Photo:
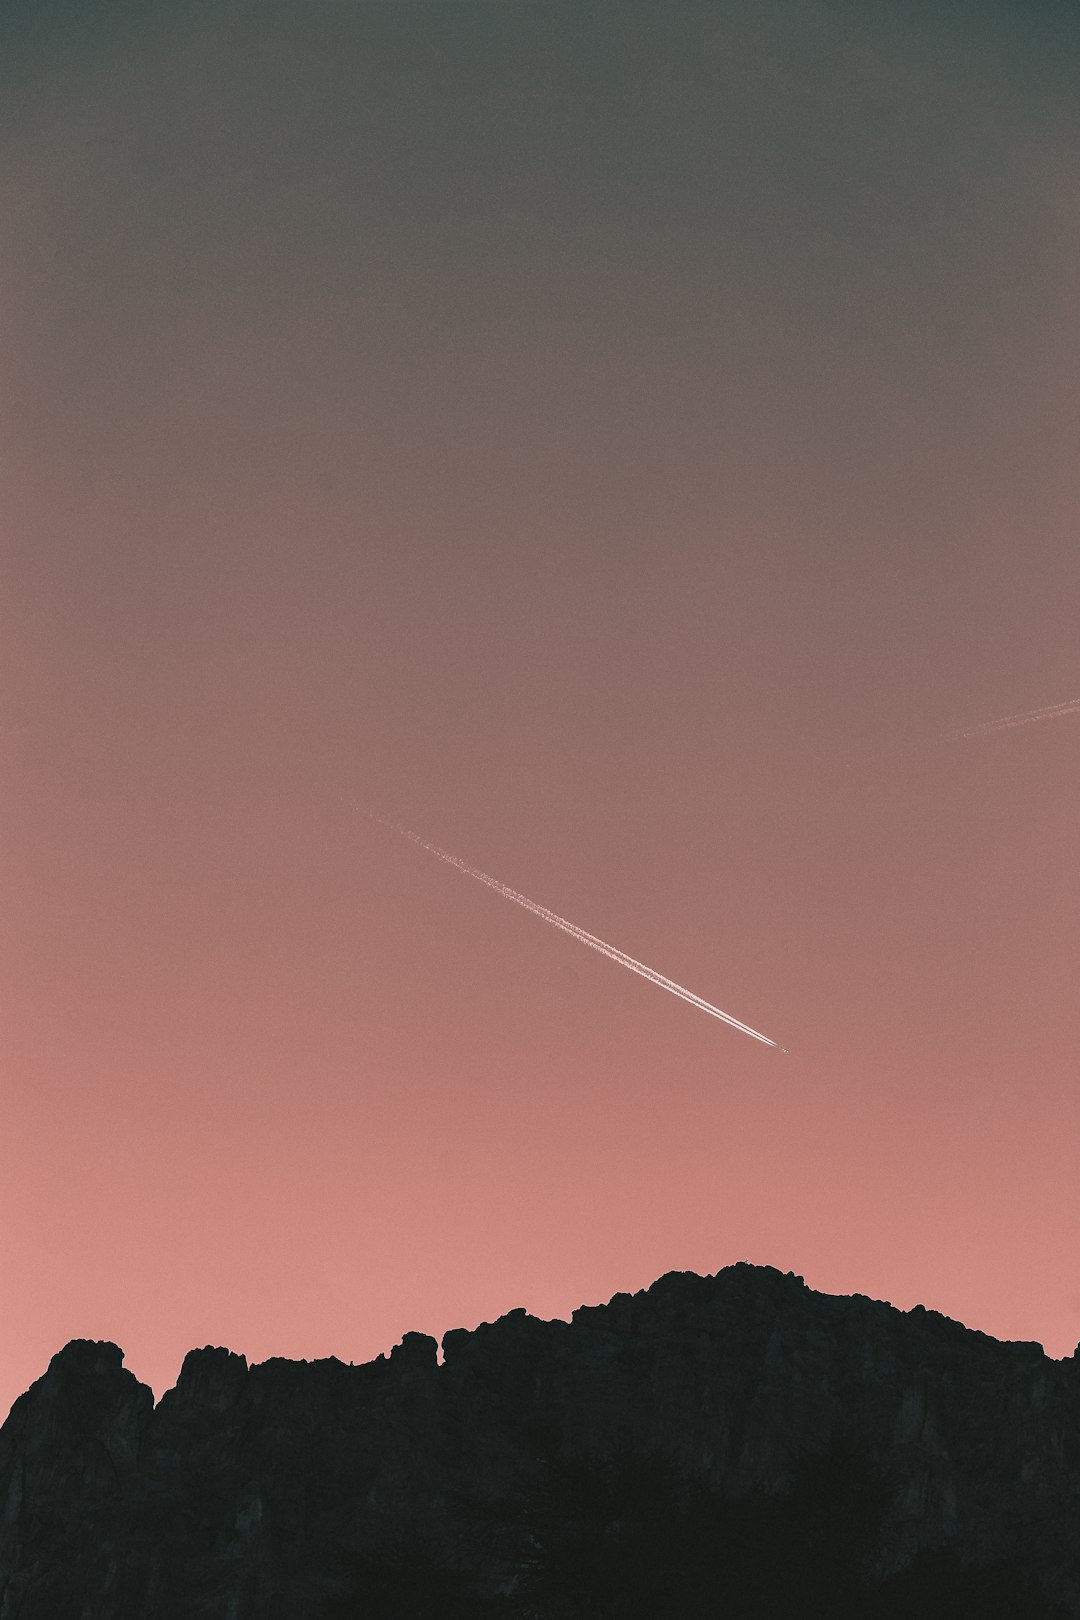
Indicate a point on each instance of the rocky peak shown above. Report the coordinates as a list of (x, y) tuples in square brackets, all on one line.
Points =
[(210, 1380)]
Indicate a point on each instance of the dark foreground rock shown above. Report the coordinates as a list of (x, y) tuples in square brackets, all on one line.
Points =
[(735, 1446)]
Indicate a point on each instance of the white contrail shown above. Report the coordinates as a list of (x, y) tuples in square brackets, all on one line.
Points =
[(578, 933), (1050, 711)]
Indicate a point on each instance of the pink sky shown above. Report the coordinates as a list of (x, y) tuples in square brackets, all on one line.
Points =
[(611, 441)]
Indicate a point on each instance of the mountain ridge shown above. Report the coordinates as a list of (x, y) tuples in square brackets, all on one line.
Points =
[(249, 1492)]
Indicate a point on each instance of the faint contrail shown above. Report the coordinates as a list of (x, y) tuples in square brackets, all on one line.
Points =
[(578, 933), (1050, 711)]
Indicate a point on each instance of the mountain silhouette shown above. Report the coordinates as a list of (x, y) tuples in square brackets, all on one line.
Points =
[(735, 1446)]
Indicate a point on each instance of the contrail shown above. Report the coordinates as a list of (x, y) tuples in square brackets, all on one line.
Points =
[(578, 933), (1050, 711)]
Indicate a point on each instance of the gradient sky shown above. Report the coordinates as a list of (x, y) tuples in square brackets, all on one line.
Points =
[(616, 440)]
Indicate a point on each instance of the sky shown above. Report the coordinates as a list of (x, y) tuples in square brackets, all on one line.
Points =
[(617, 442)]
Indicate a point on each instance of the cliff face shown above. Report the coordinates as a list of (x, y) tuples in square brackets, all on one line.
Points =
[(255, 1493)]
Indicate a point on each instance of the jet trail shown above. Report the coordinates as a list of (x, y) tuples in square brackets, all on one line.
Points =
[(579, 934), (1051, 711)]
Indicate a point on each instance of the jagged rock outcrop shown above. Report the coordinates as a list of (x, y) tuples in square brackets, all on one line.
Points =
[(251, 1493)]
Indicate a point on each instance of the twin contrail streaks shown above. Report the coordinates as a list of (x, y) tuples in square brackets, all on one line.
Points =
[(1050, 711), (986, 728), (579, 934)]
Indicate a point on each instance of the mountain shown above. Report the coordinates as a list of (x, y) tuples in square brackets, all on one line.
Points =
[(734, 1446)]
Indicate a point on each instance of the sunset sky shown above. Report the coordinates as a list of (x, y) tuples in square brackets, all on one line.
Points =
[(615, 439)]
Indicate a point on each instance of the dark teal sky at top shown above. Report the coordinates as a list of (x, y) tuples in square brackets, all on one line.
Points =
[(634, 247)]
